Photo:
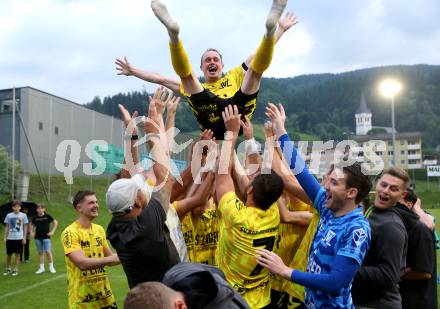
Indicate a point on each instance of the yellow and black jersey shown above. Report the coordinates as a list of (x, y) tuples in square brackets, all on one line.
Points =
[(87, 288), (208, 105), (288, 240), (243, 230), (201, 235)]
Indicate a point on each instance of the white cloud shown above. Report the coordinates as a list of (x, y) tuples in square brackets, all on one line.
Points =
[(68, 47)]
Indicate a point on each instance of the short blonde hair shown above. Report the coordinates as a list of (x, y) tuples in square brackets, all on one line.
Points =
[(151, 295)]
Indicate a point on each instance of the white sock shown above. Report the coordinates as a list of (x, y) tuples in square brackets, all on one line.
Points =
[(41, 266), (275, 13), (162, 14), (51, 265)]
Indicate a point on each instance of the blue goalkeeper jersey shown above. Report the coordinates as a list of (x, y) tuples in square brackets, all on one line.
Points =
[(347, 236)]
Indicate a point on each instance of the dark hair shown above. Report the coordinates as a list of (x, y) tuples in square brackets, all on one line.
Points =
[(41, 205), (80, 195), (208, 50), (267, 189), (410, 196), (16, 202), (152, 295), (398, 173), (356, 179)]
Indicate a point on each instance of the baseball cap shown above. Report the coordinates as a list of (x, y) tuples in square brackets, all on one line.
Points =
[(121, 194)]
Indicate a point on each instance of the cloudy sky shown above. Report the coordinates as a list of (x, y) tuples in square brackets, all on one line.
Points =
[(68, 47)]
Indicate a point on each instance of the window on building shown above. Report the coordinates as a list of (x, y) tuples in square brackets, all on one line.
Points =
[(402, 152), (402, 161), (412, 161), (56, 130), (390, 153), (402, 142), (412, 152), (6, 106), (40, 126)]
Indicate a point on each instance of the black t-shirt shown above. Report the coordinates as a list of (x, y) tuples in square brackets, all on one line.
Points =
[(421, 258), (42, 225), (143, 244)]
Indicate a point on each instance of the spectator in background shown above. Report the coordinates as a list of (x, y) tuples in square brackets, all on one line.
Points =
[(418, 285), (15, 236), (86, 255), (25, 253), (42, 234)]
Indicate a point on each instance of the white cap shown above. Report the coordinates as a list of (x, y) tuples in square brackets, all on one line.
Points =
[(121, 194)]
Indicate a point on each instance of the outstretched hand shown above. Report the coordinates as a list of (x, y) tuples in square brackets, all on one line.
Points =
[(278, 117), (231, 118), (172, 103), (126, 118), (248, 128), (287, 21), (152, 124), (124, 67)]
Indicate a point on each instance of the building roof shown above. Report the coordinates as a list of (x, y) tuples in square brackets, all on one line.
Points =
[(363, 108), (7, 90), (384, 137)]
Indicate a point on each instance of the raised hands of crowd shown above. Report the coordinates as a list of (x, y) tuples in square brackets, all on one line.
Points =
[(278, 118), (231, 118), (248, 128)]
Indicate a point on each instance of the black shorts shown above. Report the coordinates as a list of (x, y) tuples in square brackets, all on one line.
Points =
[(208, 108), (14, 246)]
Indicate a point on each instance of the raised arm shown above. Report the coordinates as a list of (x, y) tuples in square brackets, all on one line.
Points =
[(307, 181), (301, 218), (198, 198), (125, 68), (155, 130), (130, 137), (223, 179), (284, 24), (252, 156)]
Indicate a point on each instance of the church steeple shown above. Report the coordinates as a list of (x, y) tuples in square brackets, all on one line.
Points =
[(363, 117)]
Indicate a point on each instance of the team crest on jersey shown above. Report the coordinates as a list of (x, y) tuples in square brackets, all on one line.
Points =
[(359, 236), (328, 238)]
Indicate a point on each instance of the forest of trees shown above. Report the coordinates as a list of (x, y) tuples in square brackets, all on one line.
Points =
[(324, 104)]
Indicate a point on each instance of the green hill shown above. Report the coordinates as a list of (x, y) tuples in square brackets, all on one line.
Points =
[(324, 104)]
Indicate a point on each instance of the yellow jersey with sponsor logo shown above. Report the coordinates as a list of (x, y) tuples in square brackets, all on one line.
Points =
[(299, 261), (288, 240), (201, 235), (87, 288), (244, 229), (224, 89)]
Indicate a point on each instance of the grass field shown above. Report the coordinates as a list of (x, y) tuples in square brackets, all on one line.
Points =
[(47, 290)]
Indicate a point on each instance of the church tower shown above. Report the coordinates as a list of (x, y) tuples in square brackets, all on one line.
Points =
[(363, 118)]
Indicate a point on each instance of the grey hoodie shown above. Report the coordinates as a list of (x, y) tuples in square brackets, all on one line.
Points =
[(204, 286)]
